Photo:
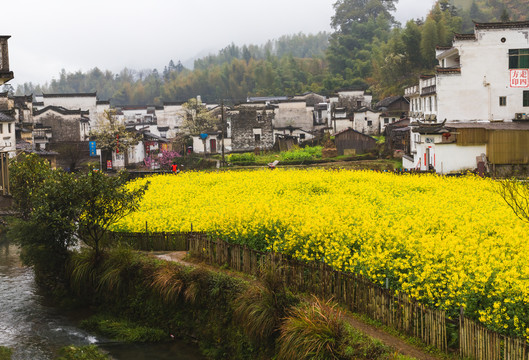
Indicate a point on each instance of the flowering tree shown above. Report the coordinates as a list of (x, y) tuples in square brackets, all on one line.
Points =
[(164, 160)]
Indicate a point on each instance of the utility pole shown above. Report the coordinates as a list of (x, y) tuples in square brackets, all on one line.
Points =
[(223, 129)]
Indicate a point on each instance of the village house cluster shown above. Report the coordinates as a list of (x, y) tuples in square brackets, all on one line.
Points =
[(47, 123), (472, 113)]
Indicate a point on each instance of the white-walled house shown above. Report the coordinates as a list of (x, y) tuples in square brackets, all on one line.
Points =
[(86, 102), (342, 108), (475, 107), (367, 121), (7, 134)]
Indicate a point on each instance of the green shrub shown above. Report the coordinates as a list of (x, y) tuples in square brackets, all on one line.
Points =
[(90, 352), (302, 154), (245, 157)]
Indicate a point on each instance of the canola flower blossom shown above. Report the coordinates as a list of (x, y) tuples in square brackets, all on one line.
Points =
[(448, 242)]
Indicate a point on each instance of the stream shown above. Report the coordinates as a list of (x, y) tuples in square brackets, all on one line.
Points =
[(35, 329)]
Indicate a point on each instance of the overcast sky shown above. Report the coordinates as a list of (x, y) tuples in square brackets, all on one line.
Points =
[(47, 36)]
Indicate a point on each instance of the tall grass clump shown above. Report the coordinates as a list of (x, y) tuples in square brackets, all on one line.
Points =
[(262, 307), (111, 273), (167, 282), (317, 330)]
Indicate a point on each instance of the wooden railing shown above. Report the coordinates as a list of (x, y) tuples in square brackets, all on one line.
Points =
[(359, 294)]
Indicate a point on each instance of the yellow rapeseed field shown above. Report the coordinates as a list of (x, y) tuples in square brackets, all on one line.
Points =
[(448, 242)]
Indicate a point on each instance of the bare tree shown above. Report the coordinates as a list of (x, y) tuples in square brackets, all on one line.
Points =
[(516, 194), (198, 118)]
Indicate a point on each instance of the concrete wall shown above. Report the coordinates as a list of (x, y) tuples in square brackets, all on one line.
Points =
[(453, 158)]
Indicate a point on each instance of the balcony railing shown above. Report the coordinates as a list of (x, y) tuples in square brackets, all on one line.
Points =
[(428, 90)]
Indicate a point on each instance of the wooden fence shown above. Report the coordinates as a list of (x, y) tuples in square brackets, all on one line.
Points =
[(359, 294), (152, 241)]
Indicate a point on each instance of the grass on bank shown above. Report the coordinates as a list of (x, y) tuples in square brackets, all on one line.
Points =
[(122, 330), (5, 353), (89, 352)]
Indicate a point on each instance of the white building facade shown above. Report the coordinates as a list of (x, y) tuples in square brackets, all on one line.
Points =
[(482, 79)]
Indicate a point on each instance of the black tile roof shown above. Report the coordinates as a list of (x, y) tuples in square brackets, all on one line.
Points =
[(70, 95), (5, 117), (502, 25), (60, 110)]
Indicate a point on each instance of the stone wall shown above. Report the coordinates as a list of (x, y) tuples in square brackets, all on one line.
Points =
[(63, 129), (245, 123)]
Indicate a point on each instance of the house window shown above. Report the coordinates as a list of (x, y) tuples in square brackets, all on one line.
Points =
[(302, 136), (358, 103), (392, 120), (369, 122), (9, 128), (2, 127), (519, 59), (259, 117), (503, 100), (257, 134), (386, 120), (525, 98)]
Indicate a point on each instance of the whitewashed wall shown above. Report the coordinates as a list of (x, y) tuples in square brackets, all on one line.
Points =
[(474, 94)]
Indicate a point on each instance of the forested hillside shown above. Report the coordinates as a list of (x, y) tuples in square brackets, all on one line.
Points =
[(490, 10), (367, 49)]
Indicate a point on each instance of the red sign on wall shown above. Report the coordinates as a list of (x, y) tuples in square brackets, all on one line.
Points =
[(519, 78)]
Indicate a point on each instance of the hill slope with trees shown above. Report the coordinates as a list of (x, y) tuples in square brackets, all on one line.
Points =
[(368, 49)]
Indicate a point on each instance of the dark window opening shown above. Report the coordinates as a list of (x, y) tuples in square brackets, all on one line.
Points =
[(519, 59), (257, 137), (526, 98), (386, 120), (503, 100), (302, 136), (369, 122)]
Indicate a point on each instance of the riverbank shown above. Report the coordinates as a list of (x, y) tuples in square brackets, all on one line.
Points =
[(34, 327), (230, 317)]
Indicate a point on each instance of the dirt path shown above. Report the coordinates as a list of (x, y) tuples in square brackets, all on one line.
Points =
[(398, 344)]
